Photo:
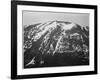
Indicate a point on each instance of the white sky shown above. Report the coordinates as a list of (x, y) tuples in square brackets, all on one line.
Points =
[(32, 17)]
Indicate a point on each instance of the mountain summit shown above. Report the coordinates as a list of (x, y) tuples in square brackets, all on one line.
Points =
[(55, 38)]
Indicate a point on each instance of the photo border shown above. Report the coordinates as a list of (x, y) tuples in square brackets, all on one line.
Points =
[(14, 14)]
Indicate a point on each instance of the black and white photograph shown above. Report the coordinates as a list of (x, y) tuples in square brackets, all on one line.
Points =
[(53, 39)]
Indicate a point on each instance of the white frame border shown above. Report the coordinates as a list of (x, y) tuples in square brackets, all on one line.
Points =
[(22, 71)]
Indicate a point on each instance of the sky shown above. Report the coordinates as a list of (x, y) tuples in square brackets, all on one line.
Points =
[(34, 17)]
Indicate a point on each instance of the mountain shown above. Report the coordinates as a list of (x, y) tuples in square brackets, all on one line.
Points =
[(56, 43)]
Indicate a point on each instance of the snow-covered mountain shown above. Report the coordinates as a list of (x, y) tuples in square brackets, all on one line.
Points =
[(52, 38)]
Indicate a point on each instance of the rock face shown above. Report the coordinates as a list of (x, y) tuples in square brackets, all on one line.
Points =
[(56, 43)]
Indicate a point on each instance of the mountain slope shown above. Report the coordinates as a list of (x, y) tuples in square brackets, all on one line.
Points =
[(45, 41)]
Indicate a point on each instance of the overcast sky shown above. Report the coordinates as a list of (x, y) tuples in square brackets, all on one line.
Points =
[(33, 17)]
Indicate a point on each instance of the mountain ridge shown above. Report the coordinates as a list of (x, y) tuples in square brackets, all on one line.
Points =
[(57, 37)]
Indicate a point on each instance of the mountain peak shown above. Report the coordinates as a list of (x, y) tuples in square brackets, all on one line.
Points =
[(57, 37)]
